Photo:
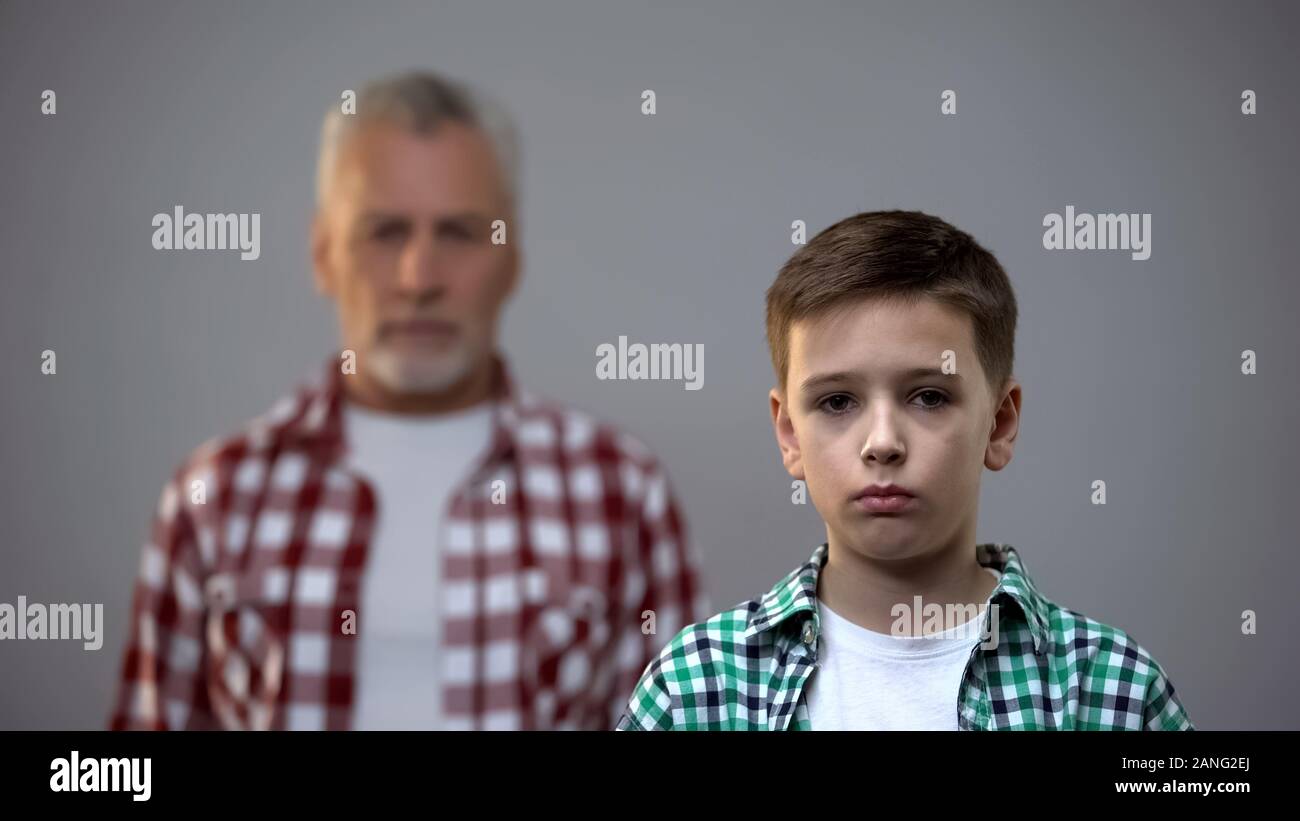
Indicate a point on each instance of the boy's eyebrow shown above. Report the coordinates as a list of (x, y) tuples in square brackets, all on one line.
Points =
[(838, 377)]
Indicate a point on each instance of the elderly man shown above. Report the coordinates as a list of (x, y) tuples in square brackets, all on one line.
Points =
[(415, 541)]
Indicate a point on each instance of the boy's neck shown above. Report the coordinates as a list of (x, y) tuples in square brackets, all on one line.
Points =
[(865, 591)]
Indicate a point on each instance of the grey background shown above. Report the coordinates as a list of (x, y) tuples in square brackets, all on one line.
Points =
[(668, 229)]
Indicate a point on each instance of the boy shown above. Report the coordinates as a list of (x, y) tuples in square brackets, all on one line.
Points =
[(892, 334)]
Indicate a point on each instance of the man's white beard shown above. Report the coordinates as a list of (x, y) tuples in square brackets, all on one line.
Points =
[(405, 373)]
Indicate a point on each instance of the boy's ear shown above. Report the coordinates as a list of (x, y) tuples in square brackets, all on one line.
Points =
[(1003, 430), (320, 247), (785, 435)]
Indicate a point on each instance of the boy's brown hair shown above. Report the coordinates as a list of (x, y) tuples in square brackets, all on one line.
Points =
[(905, 255)]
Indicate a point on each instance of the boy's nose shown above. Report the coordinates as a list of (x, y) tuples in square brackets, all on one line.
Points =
[(884, 443), (886, 451)]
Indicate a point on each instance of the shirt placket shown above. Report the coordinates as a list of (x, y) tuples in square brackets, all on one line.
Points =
[(801, 663)]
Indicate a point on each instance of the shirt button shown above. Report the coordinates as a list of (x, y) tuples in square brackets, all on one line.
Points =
[(809, 634)]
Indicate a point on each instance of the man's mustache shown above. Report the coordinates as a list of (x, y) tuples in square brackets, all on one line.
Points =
[(432, 326)]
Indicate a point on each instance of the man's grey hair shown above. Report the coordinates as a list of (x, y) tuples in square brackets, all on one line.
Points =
[(420, 102)]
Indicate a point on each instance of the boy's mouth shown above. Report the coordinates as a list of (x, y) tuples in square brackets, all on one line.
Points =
[(885, 499)]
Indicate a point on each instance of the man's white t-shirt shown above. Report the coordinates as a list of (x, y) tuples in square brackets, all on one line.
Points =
[(414, 464), (876, 681)]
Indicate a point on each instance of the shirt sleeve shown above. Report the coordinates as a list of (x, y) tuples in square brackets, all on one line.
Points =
[(650, 706), (1161, 707), (668, 573), (161, 685)]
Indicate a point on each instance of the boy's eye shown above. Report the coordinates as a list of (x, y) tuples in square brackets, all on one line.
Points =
[(836, 404), (841, 403), (939, 402)]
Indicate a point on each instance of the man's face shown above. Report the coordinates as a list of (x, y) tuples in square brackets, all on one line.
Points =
[(853, 416), (402, 244)]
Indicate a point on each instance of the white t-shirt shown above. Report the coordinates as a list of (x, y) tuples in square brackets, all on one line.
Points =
[(414, 464), (876, 681)]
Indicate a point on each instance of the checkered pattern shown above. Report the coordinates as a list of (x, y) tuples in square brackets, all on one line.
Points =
[(243, 598), (1052, 668)]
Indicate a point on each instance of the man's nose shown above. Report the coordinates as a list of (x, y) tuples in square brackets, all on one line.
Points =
[(418, 271)]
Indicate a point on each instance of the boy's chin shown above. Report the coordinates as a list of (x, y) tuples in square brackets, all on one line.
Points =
[(893, 541)]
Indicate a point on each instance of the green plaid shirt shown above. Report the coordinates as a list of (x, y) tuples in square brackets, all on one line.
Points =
[(1051, 669)]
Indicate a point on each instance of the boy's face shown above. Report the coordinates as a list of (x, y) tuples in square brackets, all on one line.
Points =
[(853, 415)]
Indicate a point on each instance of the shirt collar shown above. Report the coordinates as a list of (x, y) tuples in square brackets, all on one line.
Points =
[(315, 421), (796, 594)]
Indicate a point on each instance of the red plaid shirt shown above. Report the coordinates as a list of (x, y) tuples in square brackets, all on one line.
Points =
[(240, 610)]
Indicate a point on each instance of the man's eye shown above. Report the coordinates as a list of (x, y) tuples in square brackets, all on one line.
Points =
[(940, 399), (457, 232), (836, 404), (389, 232)]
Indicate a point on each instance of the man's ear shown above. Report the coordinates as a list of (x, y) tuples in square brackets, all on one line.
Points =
[(516, 266), (785, 435), (320, 254), (1006, 424)]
